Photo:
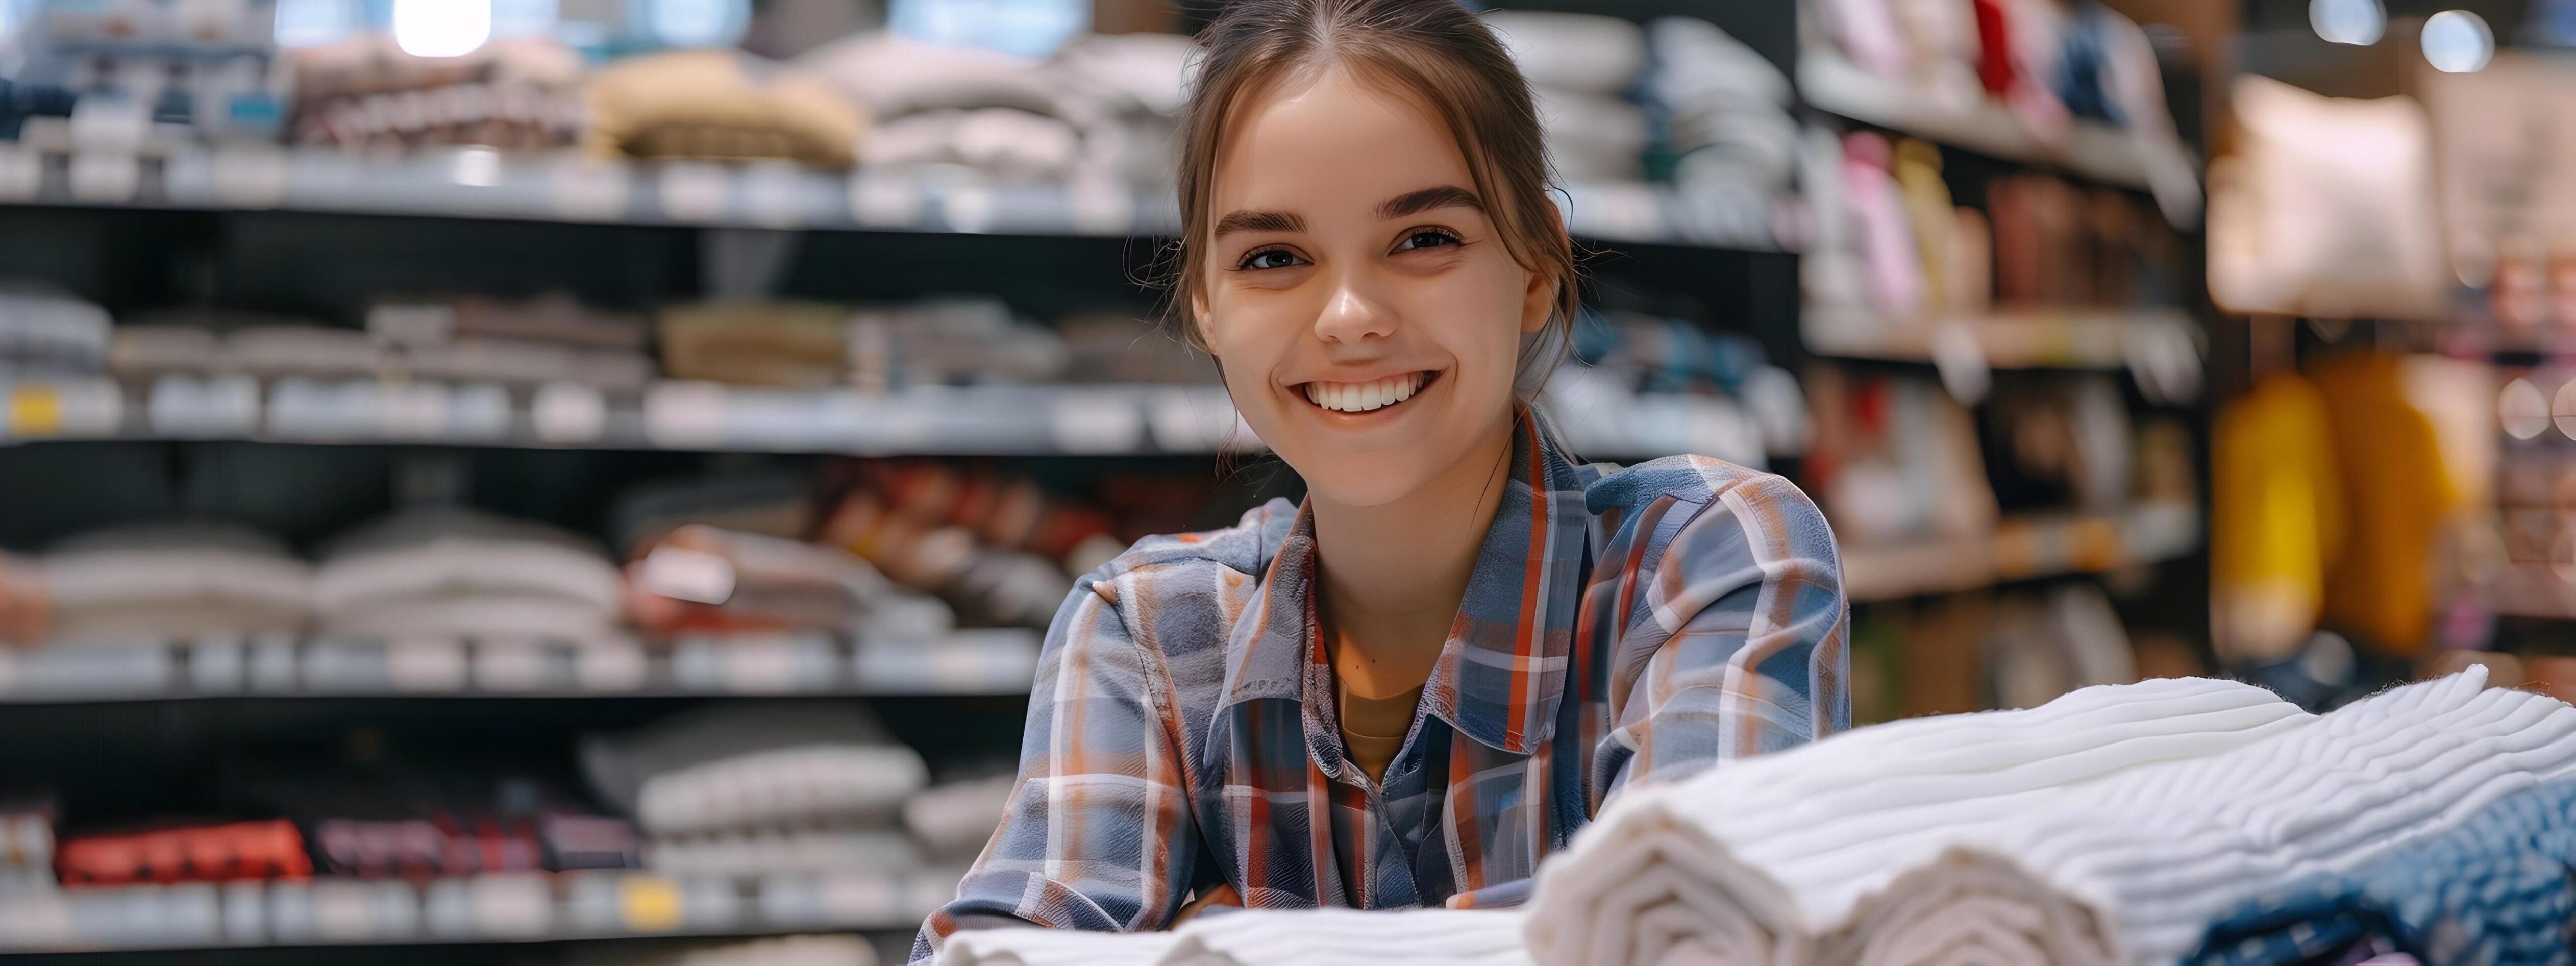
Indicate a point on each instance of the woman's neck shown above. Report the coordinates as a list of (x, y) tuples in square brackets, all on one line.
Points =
[(1394, 574)]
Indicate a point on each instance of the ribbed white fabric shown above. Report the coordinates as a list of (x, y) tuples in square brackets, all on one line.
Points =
[(1264, 937), (1053, 947), (2136, 866), (1752, 863), (1349, 937)]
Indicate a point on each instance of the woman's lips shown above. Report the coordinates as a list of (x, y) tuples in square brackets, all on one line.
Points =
[(1360, 397)]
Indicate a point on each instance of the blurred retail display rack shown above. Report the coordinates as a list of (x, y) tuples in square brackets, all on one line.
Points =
[(485, 183), (2033, 338), (2091, 150), (2023, 548), (1071, 419), (989, 661), (498, 907)]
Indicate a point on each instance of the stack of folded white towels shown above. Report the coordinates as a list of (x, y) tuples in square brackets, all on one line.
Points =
[(746, 791), (1440, 937), (450, 572), (2112, 825), (2115, 824)]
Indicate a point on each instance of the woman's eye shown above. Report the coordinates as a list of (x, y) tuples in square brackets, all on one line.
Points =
[(1270, 258), (1427, 239)]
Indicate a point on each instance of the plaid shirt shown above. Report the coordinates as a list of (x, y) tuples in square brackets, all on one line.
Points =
[(1624, 626)]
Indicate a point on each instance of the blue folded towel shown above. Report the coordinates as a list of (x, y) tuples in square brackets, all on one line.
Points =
[(2499, 888)]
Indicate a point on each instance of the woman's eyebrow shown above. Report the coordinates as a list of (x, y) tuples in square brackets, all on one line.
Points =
[(1429, 199), (1260, 221)]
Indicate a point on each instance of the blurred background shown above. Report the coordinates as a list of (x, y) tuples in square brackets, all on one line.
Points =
[(583, 481)]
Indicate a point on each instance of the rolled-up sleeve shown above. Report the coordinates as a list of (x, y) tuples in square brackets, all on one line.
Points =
[(1726, 628), (1098, 834)]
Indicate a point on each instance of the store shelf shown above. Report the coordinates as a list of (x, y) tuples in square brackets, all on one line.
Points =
[(998, 661), (1029, 420), (483, 183), (2092, 150), (2021, 548), (504, 907), (2068, 338)]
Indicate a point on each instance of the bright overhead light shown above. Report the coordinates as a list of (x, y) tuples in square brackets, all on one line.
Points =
[(441, 28), (2457, 42), (2358, 22)]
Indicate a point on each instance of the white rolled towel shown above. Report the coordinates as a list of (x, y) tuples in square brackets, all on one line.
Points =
[(1053, 947), (2133, 869), (1754, 861), (1350, 937)]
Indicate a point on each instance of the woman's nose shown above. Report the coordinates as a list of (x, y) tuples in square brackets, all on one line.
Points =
[(1354, 313)]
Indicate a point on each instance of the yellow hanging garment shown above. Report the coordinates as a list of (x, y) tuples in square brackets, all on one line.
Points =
[(2276, 520), (2397, 493)]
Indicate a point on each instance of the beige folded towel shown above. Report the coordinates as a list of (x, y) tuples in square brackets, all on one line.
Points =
[(719, 105)]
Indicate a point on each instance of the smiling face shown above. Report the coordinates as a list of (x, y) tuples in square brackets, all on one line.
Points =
[(1367, 313)]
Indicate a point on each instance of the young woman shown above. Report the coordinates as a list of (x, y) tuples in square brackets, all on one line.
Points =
[(1413, 687)]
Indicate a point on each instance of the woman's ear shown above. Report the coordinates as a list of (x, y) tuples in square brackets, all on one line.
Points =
[(1538, 301), (1199, 319)]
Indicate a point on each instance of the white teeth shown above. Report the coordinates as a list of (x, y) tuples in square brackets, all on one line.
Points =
[(1360, 397)]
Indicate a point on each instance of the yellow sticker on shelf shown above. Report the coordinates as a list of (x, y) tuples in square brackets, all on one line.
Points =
[(35, 411), (2021, 549), (649, 904), (2094, 545)]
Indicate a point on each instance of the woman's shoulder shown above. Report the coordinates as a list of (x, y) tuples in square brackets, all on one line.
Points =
[(1773, 516), (1609, 488), (1193, 570)]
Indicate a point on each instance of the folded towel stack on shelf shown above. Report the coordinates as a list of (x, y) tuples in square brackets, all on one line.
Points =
[(241, 851), (2116, 824), (740, 792), (48, 333), (175, 581), (993, 545), (1672, 101), (702, 580), (454, 573), (516, 344), (365, 93), (1005, 116), (719, 105)]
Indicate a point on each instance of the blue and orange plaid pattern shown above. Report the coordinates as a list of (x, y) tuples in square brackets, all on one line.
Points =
[(1619, 626)]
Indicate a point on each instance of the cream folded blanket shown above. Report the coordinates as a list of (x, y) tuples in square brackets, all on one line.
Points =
[(2133, 869), (1753, 863)]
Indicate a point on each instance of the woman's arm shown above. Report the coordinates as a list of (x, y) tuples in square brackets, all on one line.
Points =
[(1719, 599), (1098, 835)]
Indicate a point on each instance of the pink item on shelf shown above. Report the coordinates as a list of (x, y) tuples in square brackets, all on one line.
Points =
[(1887, 246)]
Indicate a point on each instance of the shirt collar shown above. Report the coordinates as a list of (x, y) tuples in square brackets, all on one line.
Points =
[(1501, 674)]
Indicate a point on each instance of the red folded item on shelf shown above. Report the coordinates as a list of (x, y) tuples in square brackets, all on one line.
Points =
[(208, 853)]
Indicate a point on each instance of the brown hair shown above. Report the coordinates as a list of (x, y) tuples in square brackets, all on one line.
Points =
[(1436, 50)]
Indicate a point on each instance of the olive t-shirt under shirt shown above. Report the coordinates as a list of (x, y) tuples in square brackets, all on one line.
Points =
[(1373, 729)]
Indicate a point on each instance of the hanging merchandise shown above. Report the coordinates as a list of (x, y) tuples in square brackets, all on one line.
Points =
[(2326, 209), (2276, 519), (2396, 496)]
